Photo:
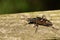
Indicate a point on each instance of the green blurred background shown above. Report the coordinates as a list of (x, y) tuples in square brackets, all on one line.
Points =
[(17, 6)]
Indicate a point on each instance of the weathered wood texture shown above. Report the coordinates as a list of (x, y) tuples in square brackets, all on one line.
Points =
[(15, 27)]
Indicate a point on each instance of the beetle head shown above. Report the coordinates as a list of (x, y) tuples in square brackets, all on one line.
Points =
[(48, 23)]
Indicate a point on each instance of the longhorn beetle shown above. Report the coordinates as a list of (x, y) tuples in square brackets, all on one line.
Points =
[(40, 21)]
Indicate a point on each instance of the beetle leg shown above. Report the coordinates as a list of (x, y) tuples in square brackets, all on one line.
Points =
[(35, 25), (55, 28), (36, 28)]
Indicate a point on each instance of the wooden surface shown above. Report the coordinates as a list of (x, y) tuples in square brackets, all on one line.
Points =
[(15, 27)]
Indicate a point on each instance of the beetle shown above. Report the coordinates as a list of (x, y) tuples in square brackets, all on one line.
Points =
[(40, 21)]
